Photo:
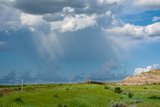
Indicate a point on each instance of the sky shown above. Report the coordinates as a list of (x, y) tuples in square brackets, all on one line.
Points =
[(50, 41)]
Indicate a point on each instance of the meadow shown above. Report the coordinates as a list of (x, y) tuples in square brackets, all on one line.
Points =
[(79, 95)]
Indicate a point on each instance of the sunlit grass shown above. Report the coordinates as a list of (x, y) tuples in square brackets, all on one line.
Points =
[(78, 95)]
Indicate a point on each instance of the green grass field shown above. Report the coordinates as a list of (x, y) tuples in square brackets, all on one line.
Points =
[(79, 95)]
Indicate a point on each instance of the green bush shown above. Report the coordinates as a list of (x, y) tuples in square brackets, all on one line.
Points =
[(30, 89), (145, 87), (18, 100), (136, 101), (130, 95), (1, 94), (118, 90), (107, 87), (56, 95), (154, 97), (60, 105), (67, 88)]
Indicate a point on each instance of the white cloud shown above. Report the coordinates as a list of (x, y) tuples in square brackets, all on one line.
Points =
[(146, 69), (31, 21), (125, 37), (73, 23), (69, 23), (134, 31), (156, 18), (147, 4)]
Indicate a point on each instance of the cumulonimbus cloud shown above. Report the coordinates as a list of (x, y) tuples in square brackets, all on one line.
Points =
[(27, 12), (60, 10), (68, 15)]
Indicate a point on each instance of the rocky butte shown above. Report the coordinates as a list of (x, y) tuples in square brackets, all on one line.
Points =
[(151, 77)]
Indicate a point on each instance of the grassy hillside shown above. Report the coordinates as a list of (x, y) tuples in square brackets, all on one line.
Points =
[(79, 95)]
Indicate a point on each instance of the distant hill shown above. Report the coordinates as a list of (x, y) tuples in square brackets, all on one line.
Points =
[(151, 77)]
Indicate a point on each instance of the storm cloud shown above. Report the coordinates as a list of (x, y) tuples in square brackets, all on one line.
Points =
[(72, 39), (110, 70), (56, 6), (46, 7)]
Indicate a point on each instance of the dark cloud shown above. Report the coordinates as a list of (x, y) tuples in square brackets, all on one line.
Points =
[(54, 10), (85, 46), (14, 77), (49, 6), (3, 45), (79, 77), (26, 77), (53, 17), (49, 76), (48, 73), (65, 51), (9, 78), (111, 70)]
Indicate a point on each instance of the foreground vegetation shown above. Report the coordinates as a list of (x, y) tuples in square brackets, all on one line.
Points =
[(80, 95)]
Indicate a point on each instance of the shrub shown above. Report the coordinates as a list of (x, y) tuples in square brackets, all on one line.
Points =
[(18, 100), (130, 95), (118, 104), (60, 105), (154, 97), (121, 97), (18, 89), (118, 90), (1, 94), (56, 95), (145, 88), (136, 101), (107, 87), (30, 89), (67, 88)]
